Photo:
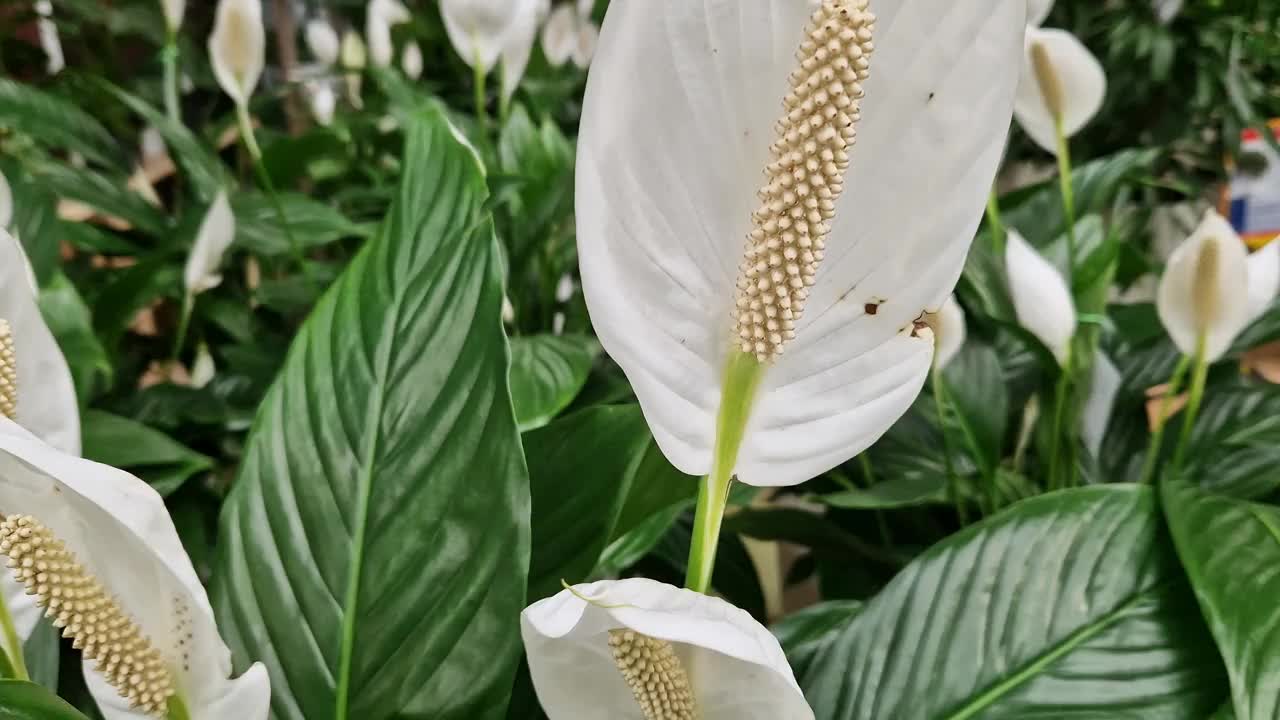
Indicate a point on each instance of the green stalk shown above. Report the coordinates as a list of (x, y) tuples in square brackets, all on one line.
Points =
[(482, 112), (1199, 375), (868, 473), (953, 479), (995, 221), (255, 153), (504, 102), (188, 304), (13, 644), (741, 380), (1061, 396), (1068, 195), (1157, 438), (169, 57)]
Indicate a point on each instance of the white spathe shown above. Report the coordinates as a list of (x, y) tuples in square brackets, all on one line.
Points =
[(380, 17), (118, 529), (1038, 11), (411, 60), (237, 47), (1041, 298), (217, 231), (203, 370), (322, 41), (477, 29), (949, 331), (517, 43), (354, 54), (322, 99), (1080, 76), (173, 12), (1166, 10), (6, 203), (1104, 386), (1264, 278), (47, 30), (571, 34), (47, 403), (1205, 289), (736, 667), (679, 114)]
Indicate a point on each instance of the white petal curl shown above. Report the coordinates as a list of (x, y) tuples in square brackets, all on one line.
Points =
[(680, 106), (1083, 83), (949, 332), (1041, 298), (217, 231), (517, 44), (1264, 278)]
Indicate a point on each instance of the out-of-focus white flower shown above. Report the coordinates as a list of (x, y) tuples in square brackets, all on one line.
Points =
[(1060, 79), (1166, 10), (612, 649), (237, 48), (565, 288), (354, 57), (6, 203), (517, 42), (1204, 294), (508, 310), (411, 61), (322, 41), (570, 34), (203, 369), (47, 29), (949, 331), (557, 323), (380, 17), (173, 12), (322, 100), (477, 28), (118, 548), (1264, 278), (151, 143), (1041, 298), (1103, 388), (216, 233), (1038, 11)]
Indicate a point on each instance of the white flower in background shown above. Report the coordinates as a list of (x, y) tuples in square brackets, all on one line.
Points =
[(557, 323), (114, 545), (47, 29), (151, 144), (203, 369), (354, 57), (1166, 10), (1060, 79), (840, 263), (949, 331), (476, 28), (217, 231), (322, 100), (173, 12), (379, 18), (1041, 298), (565, 288), (322, 41), (508, 311), (570, 34), (237, 48), (1103, 389), (1038, 11), (1264, 278), (411, 61), (1204, 294), (6, 203), (638, 649), (517, 43)]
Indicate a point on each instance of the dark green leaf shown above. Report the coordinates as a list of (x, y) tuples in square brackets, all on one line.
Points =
[(975, 388), (42, 653), (150, 454), (547, 372), (375, 548), (900, 491), (108, 194), (1066, 605), (804, 634), (21, 700), (258, 227), (68, 318), (55, 122)]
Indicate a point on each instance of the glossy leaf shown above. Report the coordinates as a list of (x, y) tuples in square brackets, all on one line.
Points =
[(547, 372), (20, 700), (1231, 551), (897, 492), (803, 634), (375, 548), (976, 390), (148, 453), (259, 231), (55, 122), (72, 326), (1067, 605)]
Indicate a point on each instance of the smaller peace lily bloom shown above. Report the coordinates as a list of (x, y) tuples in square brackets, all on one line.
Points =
[(203, 369), (380, 17), (322, 41), (47, 29), (1264, 278), (638, 649), (237, 48), (411, 61), (322, 100), (1062, 82), (477, 29), (517, 44), (1166, 10), (570, 34), (949, 331), (1041, 299), (565, 288), (217, 231), (173, 13), (96, 549), (1203, 299), (1104, 386)]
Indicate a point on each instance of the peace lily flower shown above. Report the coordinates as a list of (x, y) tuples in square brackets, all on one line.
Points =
[(637, 649), (237, 48), (380, 17), (570, 34), (1204, 295), (322, 100), (1041, 299), (322, 41), (1166, 10), (173, 12), (1062, 86), (779, 362), (217, 231), (1264, 278), (949, 331), (47, 29), (1104, 386), (484, 31), (411, 61), (77, 530), (203, 369), (517, 45), (353, 58)]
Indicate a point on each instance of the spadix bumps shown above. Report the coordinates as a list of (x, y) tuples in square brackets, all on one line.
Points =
[(805, 177), (8, 373), (657, 678)]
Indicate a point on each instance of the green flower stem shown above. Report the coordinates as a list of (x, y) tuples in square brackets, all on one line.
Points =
[(169, 57), (1068, 195), (178, 709), (1157, 438), (184, 322), (482, 113), (255, 153), (13, 644), (1199, 374), (996, 222), (741, 380), (504, 102), (953, 480), (1061, 397)]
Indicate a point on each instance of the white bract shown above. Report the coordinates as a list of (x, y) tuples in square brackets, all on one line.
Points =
[(1203, 299), (517, 43), (237, 48), (1166, 10), (1061, 80), (949, 331), (322, 41), (1264, 278), (203, 369), (173, 12), (6, 203), (606, 649), (217, 231), (354, 57), (322, 100), (109, 542), (1041, 298), (1104, 386), (1038, 11), (411, 61), (380, 17), (47, 30), (682, 116), (570, 34)]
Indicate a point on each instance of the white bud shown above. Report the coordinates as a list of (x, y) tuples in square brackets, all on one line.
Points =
[(237, 47), (949, 331), (322, 41), (216, 233), (1041, 299), (411, 61), (1204, 293), (173, 12)]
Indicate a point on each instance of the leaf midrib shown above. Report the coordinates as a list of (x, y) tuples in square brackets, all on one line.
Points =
[(1072, 641)]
